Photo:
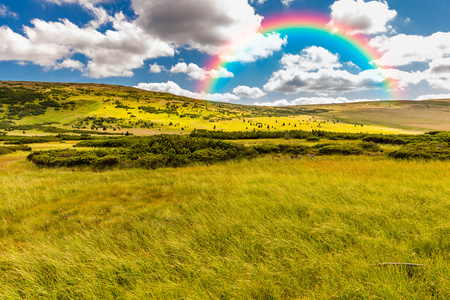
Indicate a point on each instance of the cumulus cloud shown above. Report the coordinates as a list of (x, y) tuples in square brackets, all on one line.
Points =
[(403, 79), (311, 59), (438, 74), (314, 70), (262, 46), (197, 73), (364, 17), (310, 100), (59, 2), (440, 66), (201, 24), (324, 80), (6, 12), (155, 68), (287, 2), (248, 92), (402, 49), (284, 2), (173, 88), (69, 64), (100, 14), (113, 53), (433, 97)]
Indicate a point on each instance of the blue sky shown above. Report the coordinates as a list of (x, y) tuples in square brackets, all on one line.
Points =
[(165, 45)]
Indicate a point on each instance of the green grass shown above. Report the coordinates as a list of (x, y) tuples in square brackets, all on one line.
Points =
[(271, 228)]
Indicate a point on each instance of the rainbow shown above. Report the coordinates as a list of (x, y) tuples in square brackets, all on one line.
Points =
[(298, 22)]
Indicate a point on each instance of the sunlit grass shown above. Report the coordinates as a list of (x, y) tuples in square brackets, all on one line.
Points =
[(270, 228)]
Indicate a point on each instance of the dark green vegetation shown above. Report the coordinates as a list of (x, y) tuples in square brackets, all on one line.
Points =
[(149, 152), (11, 149), (424, 150), (176, 151)]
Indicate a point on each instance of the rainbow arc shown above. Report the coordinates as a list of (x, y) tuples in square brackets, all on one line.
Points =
[(301, 22)]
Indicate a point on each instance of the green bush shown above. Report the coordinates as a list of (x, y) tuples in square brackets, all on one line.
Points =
[(370, 147), (343, 149), (143, 152), (427, 151), (11, 149)]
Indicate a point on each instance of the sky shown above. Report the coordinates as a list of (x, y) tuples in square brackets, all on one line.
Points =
[(225, 50)]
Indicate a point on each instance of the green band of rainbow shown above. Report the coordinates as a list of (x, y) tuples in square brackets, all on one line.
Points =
[(294, 21)]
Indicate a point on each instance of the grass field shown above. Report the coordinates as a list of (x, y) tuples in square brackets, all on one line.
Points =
[(269, 228), (274, 227)]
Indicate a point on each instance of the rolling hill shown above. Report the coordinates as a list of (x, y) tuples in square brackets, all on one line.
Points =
[(33, 108)]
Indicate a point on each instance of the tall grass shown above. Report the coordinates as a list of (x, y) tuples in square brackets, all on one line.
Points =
[(271, 228)]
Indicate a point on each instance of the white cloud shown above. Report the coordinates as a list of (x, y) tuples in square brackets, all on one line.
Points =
[(248, 92), (401, 50), (287, 2), (439, 73), (100, 14), (6, 12), (261, 46), (402, 78), (113, 53), (60, 2), (200, 24), (284, 2), (363, 17), (440, 66), (314, 70), (310, 100), (173, 88), (433, 97), (155, 68), (70, 64), (311, 59), (197, 73), (324, 80)]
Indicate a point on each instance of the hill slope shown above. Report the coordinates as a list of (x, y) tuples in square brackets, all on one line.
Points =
[(36, 107)]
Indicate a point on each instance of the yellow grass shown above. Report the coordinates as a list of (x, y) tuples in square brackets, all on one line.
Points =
[(270, 228)]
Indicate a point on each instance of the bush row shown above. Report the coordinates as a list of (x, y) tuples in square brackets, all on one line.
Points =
[(176, 151), (427, 151), (294, 134), (11, 149), (149, 152), (402, 139), (20, 140)]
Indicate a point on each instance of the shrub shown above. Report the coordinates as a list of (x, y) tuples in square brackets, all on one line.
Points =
[(427, 151), (11, 149), (343, 149), (369, 146)]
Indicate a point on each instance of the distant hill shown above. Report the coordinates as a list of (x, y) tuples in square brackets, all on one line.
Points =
[(32, 108)]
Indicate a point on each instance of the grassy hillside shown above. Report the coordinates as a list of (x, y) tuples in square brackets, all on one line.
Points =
[(35, 108)]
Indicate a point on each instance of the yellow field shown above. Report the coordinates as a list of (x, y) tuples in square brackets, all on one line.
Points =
[(101, 101)]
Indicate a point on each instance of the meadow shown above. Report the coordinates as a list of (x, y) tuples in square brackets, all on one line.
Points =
[(312, 202), (273, 227)]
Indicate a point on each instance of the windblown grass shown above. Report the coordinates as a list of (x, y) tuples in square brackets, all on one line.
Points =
[(271, 228)]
